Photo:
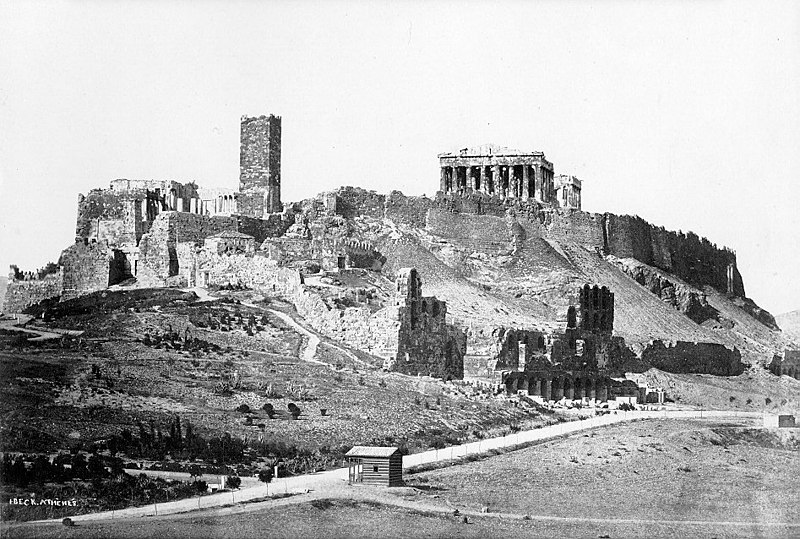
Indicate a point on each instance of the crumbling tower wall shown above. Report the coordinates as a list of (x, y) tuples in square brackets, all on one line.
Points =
[(260, 166)]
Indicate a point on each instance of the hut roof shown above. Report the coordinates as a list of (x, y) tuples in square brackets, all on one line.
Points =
[(371, 451)]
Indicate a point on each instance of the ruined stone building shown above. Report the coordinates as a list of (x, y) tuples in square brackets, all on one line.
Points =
[(421, 341), (788, 365), (568, 191), (497, 171)]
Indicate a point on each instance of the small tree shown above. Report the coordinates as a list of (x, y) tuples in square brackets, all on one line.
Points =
[(294, 410), (201, 487), (269, 409), (265, 476), (233, 481)]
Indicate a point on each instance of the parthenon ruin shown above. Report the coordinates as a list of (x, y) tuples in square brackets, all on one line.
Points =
[(498, 171)]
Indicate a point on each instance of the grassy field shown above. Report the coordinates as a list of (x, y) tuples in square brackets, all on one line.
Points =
[(671, 470)]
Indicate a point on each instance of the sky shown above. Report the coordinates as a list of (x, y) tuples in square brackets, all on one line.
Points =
[(684, 113)]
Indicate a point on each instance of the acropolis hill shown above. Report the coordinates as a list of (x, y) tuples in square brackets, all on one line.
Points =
[(500, 277)]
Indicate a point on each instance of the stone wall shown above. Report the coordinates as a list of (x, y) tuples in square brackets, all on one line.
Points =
[(687, 357), (578, 227), (693, 259), (86, 267), (252, 271), (158, 260), (272, 226), (21, 294), (355, 201), (409, 211)]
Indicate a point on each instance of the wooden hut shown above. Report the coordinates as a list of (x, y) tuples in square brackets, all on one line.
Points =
[(375, 466)]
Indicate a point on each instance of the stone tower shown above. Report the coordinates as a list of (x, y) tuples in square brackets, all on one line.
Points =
[(260, 166)]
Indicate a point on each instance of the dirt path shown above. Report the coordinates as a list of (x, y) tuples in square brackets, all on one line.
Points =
[(42, 335)]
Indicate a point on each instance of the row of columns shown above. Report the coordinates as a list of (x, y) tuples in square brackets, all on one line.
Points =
[(509, 181), (557, 387), (220, 204)]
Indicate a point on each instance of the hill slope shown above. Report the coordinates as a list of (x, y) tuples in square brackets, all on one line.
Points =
[(495, 271), (790, 325)]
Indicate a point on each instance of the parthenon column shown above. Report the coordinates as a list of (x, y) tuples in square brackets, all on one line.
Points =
[(512, 182), (497, 182), (443, 180), (525, 181), (538, 183)]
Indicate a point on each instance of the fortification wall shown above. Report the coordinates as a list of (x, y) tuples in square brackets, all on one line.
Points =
[(579, 227), (271, 227), (86, 268), (693, 358), (354, 201), (21, 294), (410, 211), (98, 204), (256, 272), (158, 260), (693, 259)]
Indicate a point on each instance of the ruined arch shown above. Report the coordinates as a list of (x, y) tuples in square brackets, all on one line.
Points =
[(540, 342), (578, 385), (557, 389), (572, 317), (569, 390)]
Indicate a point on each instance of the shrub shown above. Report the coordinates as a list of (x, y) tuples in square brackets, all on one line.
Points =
[(382, 383), (200, 486), (767, 401), (243, 408), (269, 409), (361, 381), (233, 481), (294, 410)]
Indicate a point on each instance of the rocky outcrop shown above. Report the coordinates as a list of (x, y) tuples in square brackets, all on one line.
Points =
[(684, 298)]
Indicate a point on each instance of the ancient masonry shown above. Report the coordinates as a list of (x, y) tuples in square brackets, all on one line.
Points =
[(260, 166), (155, 233), (498, 171)]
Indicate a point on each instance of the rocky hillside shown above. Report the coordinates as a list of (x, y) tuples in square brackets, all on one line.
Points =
[(790, 325), (508, 271)]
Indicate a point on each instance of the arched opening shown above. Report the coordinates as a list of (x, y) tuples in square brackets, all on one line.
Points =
[(540, 343), (546, 386), (436, 309), (556, 389), (509, 385), (572, 317), (569, 390), (578, 392)]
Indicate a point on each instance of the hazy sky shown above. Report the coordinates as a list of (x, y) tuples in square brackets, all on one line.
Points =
[(685, 113)]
